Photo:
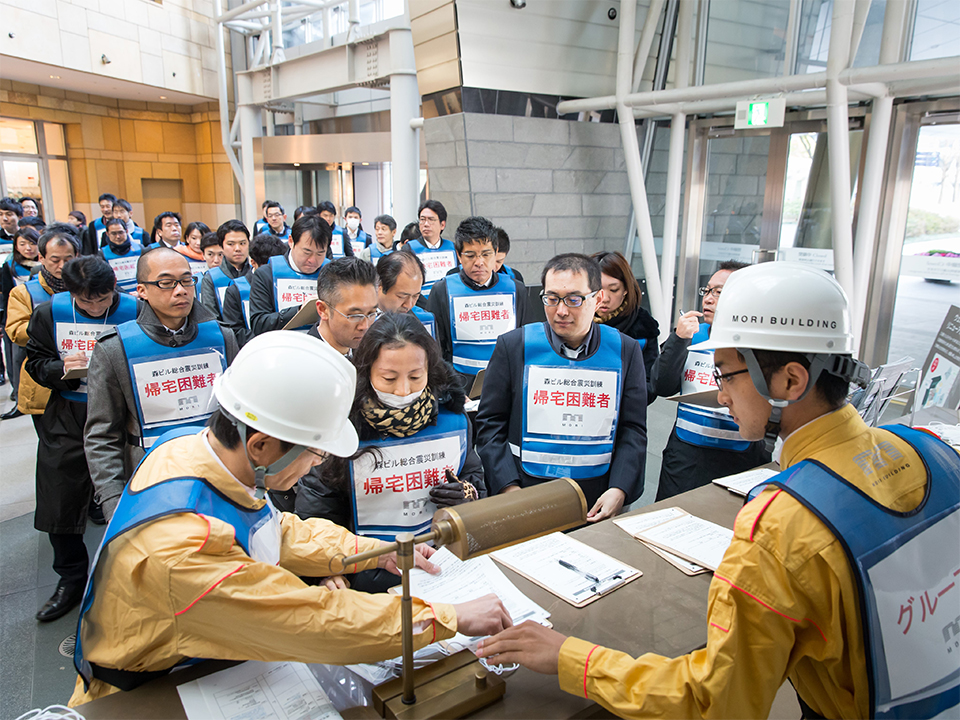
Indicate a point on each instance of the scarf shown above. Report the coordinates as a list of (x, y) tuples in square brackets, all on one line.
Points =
[(604, 319), (121, 249), (401, 422), (54, 283)]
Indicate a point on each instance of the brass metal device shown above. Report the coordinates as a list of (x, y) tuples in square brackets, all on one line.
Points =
[(459, 685)]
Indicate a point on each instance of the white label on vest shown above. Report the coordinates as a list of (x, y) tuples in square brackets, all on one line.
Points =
[(395, 489), (917, 588), (125, 268), (357, 246), (698, 373), (177, 389), (17, 280), (265, 539), (246, 312), (336, 245), (437, 264), (482, 318), (569, 401), (78, 337), (197, 267), (222, 293), (294, 292)]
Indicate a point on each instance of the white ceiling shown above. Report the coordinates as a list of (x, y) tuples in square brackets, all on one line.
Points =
[(35, 73)]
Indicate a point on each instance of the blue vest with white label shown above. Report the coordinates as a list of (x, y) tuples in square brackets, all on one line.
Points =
[(137, 234), (64, 313), (405, 515), (576, 456), (472, 356), (446, 246), (283, 271), (20, 273), (129, 284), (170, 497), (337, 239), (508, 271), (376, 253), (360, 243), (140, 349), (221, 281), (427, 320), (38, 294), (706, 427), (897, 557), (243, 286)]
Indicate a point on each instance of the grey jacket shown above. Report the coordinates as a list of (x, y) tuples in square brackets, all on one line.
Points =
[(112, 429)]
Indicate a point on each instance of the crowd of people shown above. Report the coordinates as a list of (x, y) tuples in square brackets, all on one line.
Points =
[(163, 397)]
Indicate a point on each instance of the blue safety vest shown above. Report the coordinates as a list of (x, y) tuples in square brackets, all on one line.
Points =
[(427, 320), (376, 253), (336, 245), (128, 282), (508, 271), (360, 243), (701, 426), (38, 293), (391, 484), (137, 234), (20, 273), (282, 270), (243, 286), (170, 497), (260, 226), (221, 281), (898, 558), (573, 448), (472, 356), (432, 275), (160, 375), (74, 332)]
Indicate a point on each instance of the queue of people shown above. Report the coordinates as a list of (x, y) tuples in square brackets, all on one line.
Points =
[(164, 397)]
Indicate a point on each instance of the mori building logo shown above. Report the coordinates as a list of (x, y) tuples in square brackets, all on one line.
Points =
[(773, 320)]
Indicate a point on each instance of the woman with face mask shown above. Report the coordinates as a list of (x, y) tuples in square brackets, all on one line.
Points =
[(416, 453)]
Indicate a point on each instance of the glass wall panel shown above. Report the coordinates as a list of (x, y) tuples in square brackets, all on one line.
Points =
[(53, 139), (936, 29), (59, 189), (745, 40), (18, 136)]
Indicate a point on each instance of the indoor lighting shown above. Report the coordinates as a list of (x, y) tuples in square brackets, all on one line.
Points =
[(296, 164), (163, 97), (54, 77), (364, 163)]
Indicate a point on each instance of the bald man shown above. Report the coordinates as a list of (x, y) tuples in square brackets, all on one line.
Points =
[(151, 375)]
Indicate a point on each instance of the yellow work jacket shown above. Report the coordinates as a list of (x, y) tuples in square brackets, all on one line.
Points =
[(783, 603), (181, 587)]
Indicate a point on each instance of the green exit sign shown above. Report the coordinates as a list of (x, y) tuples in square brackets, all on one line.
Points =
[(760, 113)]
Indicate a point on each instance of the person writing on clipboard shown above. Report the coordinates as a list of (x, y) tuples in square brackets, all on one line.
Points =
[(793, 599)]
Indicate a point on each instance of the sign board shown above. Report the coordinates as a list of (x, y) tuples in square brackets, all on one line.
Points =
[(766, 113), (940, 374)]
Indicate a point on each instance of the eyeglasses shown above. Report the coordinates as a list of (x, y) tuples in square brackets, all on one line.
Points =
[(117, 233), (718, 378), (171, 283), (573, 301), (715, 291), (424, 220), (274, 216), (486, 255), (359, 317)]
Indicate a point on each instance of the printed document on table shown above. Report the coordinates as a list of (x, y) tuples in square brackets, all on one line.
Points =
[(743, 483), (463, 580), (265, 691), (540, 561), (634, 524), (699, 541)]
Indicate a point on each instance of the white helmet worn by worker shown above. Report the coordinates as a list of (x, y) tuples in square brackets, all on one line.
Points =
[(786, 307), (292, 387)]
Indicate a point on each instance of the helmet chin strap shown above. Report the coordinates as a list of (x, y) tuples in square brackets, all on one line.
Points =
[(772, 431), (260, 472)]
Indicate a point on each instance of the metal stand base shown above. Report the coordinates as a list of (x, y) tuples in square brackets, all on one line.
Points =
[(449, 688)]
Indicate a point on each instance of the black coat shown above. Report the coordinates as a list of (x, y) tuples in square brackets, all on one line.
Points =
[(500, 420), (263, 303), (641, 325)]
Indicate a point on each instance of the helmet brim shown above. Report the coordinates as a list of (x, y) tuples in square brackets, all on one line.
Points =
[(344, 444)]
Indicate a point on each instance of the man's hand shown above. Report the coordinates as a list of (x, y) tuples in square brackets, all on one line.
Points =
[(607, 505), (76, 360), (336, 582), (530, 644), (688, 324), (420, 554), (484, 616)]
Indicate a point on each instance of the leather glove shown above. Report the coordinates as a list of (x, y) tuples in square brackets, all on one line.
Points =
[(452, 492)]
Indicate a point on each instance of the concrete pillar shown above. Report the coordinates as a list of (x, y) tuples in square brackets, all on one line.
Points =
[(404, 141), (249, 129)]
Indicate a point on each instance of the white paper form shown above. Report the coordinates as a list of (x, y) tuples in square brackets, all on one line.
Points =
[(743, 483), (638, 523), (257, 691), (539, 560), (690, 537)]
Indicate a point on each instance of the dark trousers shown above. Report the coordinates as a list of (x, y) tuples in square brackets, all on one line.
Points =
[(70, 560)]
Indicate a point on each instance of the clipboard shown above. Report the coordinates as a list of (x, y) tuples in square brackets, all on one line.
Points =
[(630, 522), (707, 399), (477, 386), (306, 315), (594, 591), (75, 374)]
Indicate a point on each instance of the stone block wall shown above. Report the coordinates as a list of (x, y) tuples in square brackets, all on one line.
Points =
[(555, 186)]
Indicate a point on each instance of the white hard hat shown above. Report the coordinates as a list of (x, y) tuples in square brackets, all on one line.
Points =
[(782, 306), (292, 387)]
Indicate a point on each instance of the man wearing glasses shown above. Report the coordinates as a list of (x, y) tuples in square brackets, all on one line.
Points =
[(476, 305), (569, 400), (437, 254), (122, 254), (152, 374), (705, 443), (346, 303), (276, 221)]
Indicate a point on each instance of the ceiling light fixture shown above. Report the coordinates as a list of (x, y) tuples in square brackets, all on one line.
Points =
[(163, 97), (54, 77), (296, 164), (364, 163)]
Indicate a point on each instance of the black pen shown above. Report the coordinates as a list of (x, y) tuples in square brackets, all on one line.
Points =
[(569, 566)]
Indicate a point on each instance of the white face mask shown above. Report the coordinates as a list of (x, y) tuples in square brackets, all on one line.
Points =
[(397, 402), (353, 223)]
